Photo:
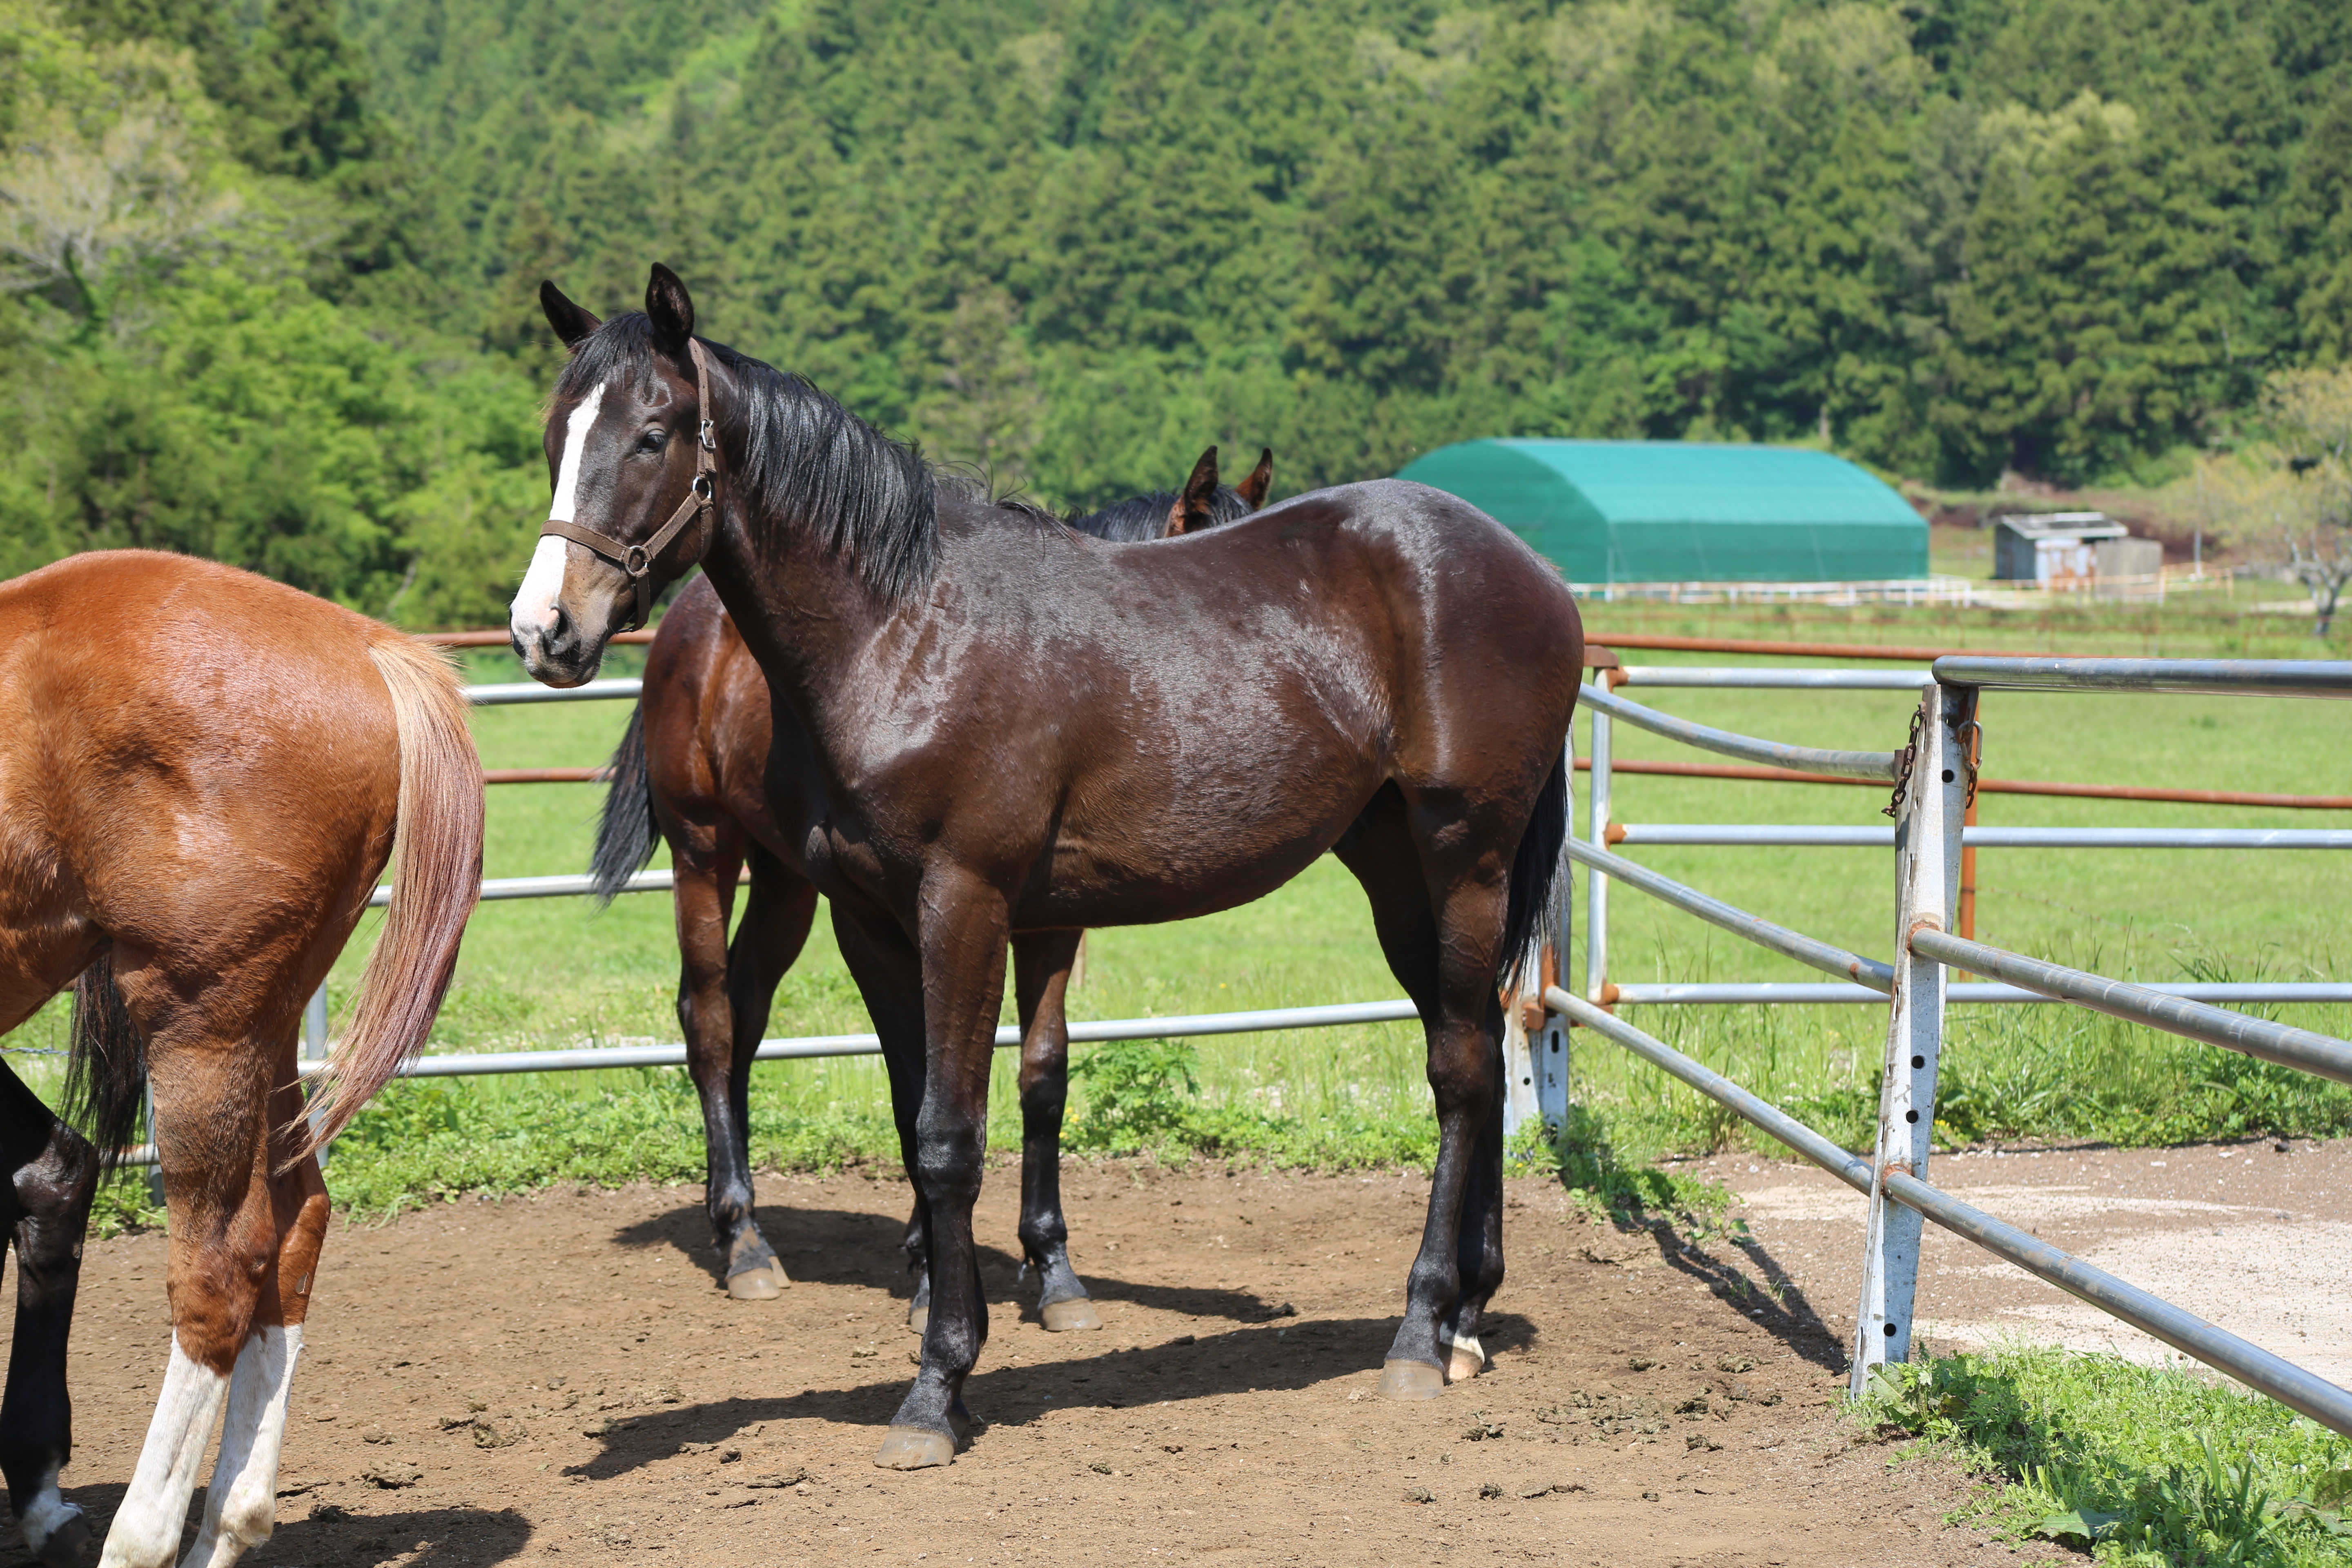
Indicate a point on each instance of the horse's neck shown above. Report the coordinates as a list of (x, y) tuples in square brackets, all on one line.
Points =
[(799, 608)]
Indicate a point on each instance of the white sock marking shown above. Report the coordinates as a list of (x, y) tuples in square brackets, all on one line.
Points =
[(146, 1527), (534, 603), (241, 1505), (46, 1513)]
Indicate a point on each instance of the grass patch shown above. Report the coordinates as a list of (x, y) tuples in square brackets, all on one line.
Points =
[(2143, 1465)]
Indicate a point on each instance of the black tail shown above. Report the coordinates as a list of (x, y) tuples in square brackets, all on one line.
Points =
[(626, 836), (106, 1075), (1531, 919)]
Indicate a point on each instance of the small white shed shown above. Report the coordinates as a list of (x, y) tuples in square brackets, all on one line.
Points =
[(2061, 549)]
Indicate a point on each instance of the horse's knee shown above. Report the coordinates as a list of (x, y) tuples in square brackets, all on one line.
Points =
[(947, 1164), (1045, 1097)]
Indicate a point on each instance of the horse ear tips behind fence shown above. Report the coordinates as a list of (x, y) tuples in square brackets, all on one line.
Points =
[(626, 835), (436, 878)]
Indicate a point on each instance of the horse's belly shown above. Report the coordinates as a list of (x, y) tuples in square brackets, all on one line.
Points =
[(1203, 854)]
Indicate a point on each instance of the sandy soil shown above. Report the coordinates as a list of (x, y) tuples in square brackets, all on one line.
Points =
[(563, 1380), (2254, 1236)]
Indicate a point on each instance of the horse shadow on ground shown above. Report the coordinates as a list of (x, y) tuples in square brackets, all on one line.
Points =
[(421, 1538), (1295, 1354), (847, 1247)]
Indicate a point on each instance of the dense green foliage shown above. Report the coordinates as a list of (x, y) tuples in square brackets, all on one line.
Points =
[(2146, 1467), (271, 266)]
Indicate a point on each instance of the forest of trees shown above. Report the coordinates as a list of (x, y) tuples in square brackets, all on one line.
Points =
[(270, 267)]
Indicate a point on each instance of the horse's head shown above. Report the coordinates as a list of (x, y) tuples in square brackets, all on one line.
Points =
[(628, 451)]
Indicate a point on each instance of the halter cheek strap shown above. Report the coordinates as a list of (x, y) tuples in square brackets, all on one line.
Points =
[(639, 560)]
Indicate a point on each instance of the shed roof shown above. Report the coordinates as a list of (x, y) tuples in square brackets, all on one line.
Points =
[(1633, 511)]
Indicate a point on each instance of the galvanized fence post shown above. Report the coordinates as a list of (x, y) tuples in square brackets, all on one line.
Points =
[(314, 1038), (1596, 898), (1535, 1038), (1550, 1045), (1927, 866)]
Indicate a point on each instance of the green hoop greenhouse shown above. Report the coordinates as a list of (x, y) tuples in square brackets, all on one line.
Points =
[(1680, 511)]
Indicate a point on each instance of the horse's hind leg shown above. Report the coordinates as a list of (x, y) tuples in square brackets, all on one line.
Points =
[(1041, 977), (245, 1246), (775, 926), (53, 1173), (1440, 926), (240, 1506)]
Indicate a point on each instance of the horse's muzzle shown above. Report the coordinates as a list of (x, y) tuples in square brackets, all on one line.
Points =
[(556, 653)]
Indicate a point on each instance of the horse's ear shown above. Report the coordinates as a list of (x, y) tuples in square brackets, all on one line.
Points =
[(571, 323), (1192, 507), (671, 309), (1261, 480)]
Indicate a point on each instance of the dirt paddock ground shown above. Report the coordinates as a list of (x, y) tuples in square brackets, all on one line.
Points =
[(562, 1380)]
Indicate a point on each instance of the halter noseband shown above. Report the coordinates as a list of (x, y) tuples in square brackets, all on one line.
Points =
[(638, 559)]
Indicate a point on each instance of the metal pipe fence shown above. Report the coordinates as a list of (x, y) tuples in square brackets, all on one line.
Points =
[(2259, 1369), (1929, 842), (1932, 831)]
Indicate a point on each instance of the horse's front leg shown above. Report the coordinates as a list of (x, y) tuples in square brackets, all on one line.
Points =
[(961, 942), (54, 1174), (1041, 977)]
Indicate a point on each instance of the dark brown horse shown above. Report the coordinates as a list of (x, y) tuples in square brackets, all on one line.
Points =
[(693, 769), (1017, 728), (202, 774)]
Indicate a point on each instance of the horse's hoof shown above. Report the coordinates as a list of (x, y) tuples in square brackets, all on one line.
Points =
[(919, 1318), (764, 1283), (67, 1545), (1465, 1358), (1411, 1380), (1066, 1317), (915, 1448)]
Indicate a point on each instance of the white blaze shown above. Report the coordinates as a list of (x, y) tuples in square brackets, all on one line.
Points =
[(534, 603), (575, 436)]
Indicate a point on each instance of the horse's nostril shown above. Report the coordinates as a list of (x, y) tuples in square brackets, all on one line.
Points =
[(560, 629)]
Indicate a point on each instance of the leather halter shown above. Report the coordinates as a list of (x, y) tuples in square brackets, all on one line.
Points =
[(701, 494)]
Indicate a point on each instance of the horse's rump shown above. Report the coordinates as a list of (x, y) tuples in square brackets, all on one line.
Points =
[(211, 767)]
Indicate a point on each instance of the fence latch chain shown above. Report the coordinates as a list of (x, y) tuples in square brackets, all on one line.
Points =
[(1903, 761), (1971, 739)]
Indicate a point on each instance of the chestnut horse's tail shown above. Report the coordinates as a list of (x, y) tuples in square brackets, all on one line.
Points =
[(437, 876), (1531, 918), (625, 835)]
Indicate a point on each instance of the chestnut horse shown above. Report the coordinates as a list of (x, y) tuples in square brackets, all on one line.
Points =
[(691, 768), (202, 773), (1015, 728)]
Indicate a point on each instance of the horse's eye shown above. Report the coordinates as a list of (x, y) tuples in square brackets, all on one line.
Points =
[(653, 440)]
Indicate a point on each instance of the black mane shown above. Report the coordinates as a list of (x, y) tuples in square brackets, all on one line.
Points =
[(807, 462), (1146, 517)]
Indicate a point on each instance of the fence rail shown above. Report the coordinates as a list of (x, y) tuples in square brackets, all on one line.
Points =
[(1935, 835), (1875, 765), (1791, 836), (2250, 1363), (1933, 840)]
